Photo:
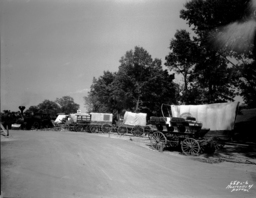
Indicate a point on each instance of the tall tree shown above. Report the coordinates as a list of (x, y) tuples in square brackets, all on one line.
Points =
[(99, 98), (139, 85), (142, 79), (213, 76), (48, 107), (248, 85), (233, 21), (32, 110), (67, 104), (181, 59)]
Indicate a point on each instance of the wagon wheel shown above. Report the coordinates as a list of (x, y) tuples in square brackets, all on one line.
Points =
[(190, 146), (106, 128), (150, 135), (122, 130), (87, 128), (173, 140), (158, 140), (93, 129), (137, 131), (75, 128)]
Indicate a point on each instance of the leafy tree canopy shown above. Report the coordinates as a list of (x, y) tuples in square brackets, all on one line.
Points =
[(209, 75), (67, 104), (139, 85), (48, 107)]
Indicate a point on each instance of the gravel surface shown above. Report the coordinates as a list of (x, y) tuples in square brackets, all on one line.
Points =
[(41, 164)]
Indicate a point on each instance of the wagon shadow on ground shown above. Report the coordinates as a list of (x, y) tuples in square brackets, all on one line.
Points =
[(247, 151), (234, 153), (231, 153)]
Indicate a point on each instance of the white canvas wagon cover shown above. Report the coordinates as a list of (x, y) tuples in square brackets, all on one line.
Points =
[(60, 118), (101, 117), (216, 117), (135, 118)]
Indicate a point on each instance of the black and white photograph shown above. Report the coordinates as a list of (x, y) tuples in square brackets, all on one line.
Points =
[(128, 98)]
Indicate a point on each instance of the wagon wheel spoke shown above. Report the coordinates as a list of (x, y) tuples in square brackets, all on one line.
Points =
[(150, 135), (122, 130), (158, 140), (190, 146), (137, 131), (92, 129), (106, 128)]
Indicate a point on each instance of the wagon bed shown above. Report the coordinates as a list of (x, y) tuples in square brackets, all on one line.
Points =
[(214, 124)]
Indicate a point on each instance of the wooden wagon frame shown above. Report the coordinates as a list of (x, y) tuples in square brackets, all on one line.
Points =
[(132, 125), (188, 126), (85, 123)]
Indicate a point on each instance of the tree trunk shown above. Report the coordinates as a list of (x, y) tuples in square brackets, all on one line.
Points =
[(137, 104)]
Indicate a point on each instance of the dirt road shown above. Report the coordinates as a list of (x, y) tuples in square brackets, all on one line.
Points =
[(45, 164)]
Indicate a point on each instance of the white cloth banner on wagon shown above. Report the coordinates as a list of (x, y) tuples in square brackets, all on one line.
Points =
[(218, 116), (135, 118), (101, 117)]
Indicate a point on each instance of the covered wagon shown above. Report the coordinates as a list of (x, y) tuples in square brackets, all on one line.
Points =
[(192, 126), (92, 122), (134, 123)]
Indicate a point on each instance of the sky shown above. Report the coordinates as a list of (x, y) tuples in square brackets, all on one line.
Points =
[(54, 48)]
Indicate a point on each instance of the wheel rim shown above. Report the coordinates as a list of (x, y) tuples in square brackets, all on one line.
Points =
[(190, 146), (158, 140), (122, 130), (150, 136), (137, 131), (106, 128)]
